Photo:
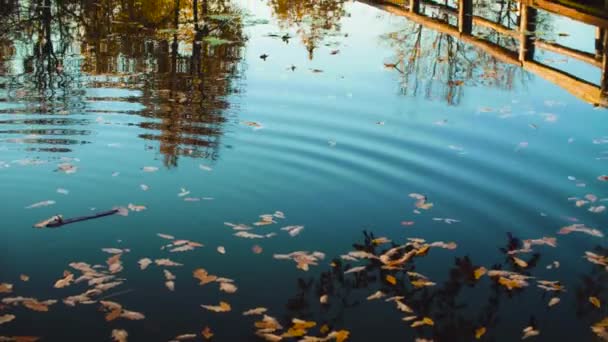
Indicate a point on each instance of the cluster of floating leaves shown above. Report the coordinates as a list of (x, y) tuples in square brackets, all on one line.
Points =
[(395, 262)]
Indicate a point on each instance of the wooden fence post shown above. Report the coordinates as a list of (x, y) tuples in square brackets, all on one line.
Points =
[(604, 82), (465, 16), (414, 6), (527, 27)]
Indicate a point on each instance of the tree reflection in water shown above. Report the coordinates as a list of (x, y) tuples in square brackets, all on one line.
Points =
[(455, 319), (182, 55)]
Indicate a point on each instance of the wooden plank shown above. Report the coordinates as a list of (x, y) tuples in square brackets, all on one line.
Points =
[(527, 27), (580, 88), (566, 51), (496, 51), (566, 11), (477, 20), (465, 16), (604, 80), (414, 6)]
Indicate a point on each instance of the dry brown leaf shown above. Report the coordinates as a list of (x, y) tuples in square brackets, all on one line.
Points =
[(519, 262), (144, 263), (553, 301), (479, 332), (185, 337), (170, 285), (6, 318), (35, 305), (228, 287), (132, 315), (67, 279), (166, 262), (24, 277), (529, 332), (119, 335), (223, 307), (376, 295), (479, 272), (255, 311), (207, 334), (204, 277), (114, 314), (6, 288)]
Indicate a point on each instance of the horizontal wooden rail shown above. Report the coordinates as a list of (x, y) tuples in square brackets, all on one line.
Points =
[(580, 88), (566, 51), (566, 11)]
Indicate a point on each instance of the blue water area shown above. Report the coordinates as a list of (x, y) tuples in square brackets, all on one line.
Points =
[(338, 115)]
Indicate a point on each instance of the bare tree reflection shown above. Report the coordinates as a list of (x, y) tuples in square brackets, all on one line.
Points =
[(455, 320)]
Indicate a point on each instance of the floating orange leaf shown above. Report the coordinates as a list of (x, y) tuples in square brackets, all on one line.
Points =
[(479, 332), (67, 279), (35, 305), (6, 288), (391, 280), (207, 334), (204, 277), (519, 262), (595, 301), (223, 307), (255, 311)]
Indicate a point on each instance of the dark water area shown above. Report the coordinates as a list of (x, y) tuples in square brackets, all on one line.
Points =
[(340, 163)]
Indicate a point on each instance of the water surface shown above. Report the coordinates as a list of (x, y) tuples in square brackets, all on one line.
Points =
[(350, 111)]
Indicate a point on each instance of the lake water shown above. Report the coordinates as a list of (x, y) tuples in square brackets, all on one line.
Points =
[(334, 113)]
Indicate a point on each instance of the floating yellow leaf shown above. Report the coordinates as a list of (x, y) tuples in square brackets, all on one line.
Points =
[(293, 332), (301, 324), (341, 335), (479, 272), (422, 283), (479, 332), (423, 321), (223, 307), (324, 329), (423, 250), (595, 301), (519, 262), (391, 280)]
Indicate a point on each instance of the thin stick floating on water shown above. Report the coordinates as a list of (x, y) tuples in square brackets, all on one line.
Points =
[(58, 221), (120, 293)]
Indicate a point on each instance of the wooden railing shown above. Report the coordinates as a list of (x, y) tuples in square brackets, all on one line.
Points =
[(596, 94)]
